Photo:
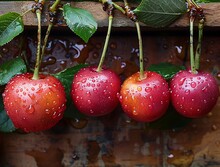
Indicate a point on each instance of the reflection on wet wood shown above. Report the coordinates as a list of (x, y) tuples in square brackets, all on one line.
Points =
[(211, 11)]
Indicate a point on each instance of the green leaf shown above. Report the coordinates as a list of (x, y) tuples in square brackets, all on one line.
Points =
[(11, 25), (6, 124), (160, 13), (66, 77), (167, 70), (11, 68), (80, 21)]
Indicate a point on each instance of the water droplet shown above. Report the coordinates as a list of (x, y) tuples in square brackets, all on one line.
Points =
[(204, 89), (139, 88), (91, 111), (205, 101), (187, 91), (30, 109), (193, 84), (148, 89), (89, 101), (150, 106), (214, 127), (47, 111), (40, 90), (135, 112), (32, 96), (54, 115), (181, 81)]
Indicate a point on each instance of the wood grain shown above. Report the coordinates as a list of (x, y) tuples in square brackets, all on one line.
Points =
[(211, 10)]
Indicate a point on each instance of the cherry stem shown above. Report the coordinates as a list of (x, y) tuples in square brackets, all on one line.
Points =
[(53, 10), (195, 10), (46, 39), (116, 6), (38, 59), (110, 19), (192, 58), (141, 61), (199, 45), (131, 15)]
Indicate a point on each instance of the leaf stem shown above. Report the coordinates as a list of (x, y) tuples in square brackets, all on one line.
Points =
[(199, 45), (110, 19), (29, 10), (38, 57), (141, 61)]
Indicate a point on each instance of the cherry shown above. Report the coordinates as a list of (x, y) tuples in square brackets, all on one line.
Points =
[(146, 99), (194, 95), (95, 93), (34, 105)]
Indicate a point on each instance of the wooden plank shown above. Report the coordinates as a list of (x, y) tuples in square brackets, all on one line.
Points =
[(211, 11)]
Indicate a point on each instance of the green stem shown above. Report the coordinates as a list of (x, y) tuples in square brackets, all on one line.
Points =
[(192, 57), (46, 39), (53, 8), (119, 8), (110, 19), (141, 59), (199, 45), (38, 58), (116, 6)]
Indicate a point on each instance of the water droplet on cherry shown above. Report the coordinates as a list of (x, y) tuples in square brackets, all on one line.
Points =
[(148, 89), (30, 109), (193, 84)]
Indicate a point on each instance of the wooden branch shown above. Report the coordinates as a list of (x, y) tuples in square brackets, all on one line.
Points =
[(211, 10)]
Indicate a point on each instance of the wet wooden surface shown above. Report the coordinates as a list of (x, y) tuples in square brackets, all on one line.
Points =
[(211, 11), (115, 140)]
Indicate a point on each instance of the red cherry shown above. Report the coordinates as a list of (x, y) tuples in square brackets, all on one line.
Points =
[(145, 100), (34, 105), (194, 95), (95, 93)]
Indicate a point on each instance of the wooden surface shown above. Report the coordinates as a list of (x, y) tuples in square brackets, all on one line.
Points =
[(211, 11), (115, 140)]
